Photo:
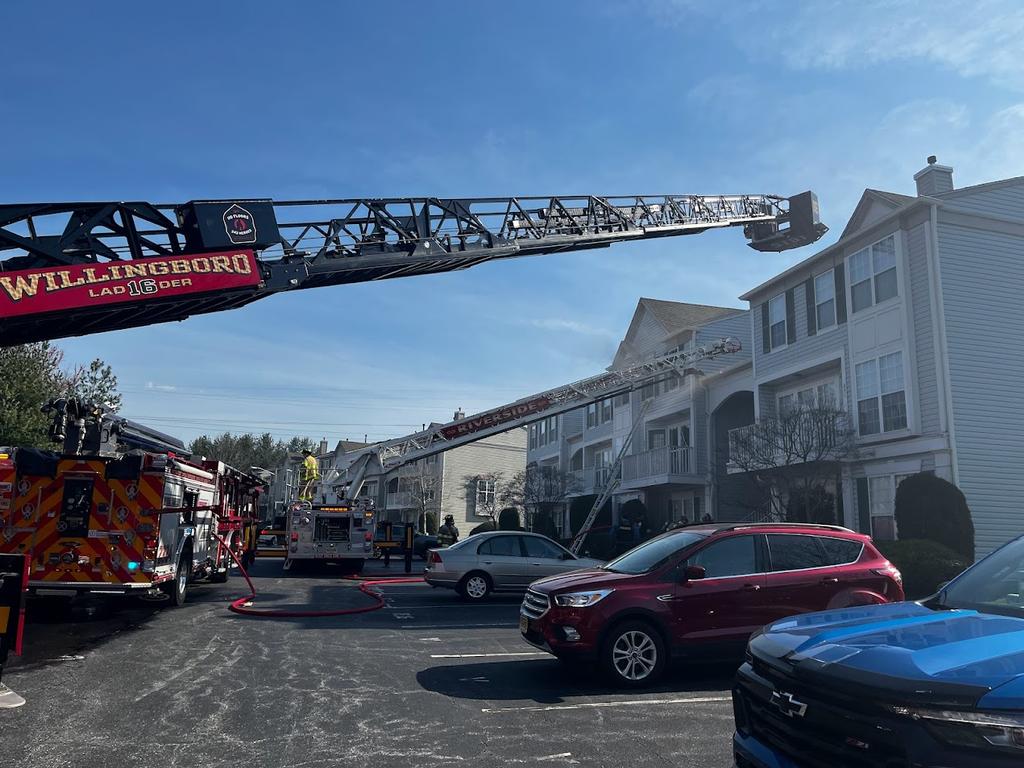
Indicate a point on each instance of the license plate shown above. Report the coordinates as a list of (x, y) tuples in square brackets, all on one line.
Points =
[(524, 624)]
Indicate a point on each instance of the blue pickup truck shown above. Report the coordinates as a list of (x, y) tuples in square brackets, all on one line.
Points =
[(935, 684)]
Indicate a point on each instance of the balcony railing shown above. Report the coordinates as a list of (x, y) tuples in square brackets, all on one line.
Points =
[(658, 463), (795, 438), (398, 500)]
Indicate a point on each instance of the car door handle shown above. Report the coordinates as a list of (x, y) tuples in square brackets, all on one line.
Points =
[(487, 562), (751, 587), (830, 580)]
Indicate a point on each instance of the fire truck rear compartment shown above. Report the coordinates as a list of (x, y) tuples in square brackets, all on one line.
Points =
[(331, 529)]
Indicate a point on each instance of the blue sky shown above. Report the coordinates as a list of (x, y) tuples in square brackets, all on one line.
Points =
[(170, 103)]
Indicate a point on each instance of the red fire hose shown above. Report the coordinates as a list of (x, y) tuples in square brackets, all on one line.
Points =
[(243, 604)]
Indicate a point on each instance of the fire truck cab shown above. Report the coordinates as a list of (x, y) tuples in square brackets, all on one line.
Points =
[(119, 510)]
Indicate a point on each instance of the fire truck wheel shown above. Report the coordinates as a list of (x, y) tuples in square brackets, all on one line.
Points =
[(177, 587)]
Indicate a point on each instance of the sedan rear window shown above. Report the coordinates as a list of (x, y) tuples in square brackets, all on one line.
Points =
[(505, 546)]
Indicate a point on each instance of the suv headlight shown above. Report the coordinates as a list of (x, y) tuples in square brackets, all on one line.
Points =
[(582, 599), (980, 730)]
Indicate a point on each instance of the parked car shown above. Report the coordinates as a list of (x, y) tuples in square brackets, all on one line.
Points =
[(939, 682), (499, 561), (701, 592)]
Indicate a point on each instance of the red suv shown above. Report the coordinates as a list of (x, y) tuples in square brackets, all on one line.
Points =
[(701, 592)]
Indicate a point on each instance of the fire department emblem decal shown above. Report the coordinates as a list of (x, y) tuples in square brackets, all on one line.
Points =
[(239, 225), (131, 491), (23, 487), (115, 559), (128, 535), (8, 534), (122, 513), (27, 511)]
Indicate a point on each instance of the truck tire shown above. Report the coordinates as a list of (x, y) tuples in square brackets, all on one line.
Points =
[(178, 587), (634, 655)]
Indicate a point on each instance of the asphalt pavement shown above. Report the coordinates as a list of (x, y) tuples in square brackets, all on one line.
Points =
[(426, 681)]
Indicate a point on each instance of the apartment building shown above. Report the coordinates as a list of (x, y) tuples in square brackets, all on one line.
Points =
[(677, 453), (463, 482), (911, 324)]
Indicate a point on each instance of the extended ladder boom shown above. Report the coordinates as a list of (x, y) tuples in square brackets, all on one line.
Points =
[(69, 269), (391, 454)]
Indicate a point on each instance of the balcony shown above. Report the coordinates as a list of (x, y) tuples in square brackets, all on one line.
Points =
[(799, 437), (398, 500), (661, 466)]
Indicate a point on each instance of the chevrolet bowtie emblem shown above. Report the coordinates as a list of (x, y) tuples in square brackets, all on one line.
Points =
[(787, 705)]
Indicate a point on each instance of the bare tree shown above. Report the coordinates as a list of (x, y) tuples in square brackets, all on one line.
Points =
[(424, 489), (535, 489), (793, 456)]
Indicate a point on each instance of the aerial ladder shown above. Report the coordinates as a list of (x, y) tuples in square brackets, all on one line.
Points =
[(392, 454), (77, 268)]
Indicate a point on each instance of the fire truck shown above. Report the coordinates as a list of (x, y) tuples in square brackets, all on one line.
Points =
[(122, 509), (341, 533)]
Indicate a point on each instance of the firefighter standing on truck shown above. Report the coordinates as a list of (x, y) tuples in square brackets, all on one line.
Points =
[(447, 534), (310, 474)]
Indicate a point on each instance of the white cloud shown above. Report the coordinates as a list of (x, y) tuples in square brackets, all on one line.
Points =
[(975, 38), (573, 326), (160, 387)]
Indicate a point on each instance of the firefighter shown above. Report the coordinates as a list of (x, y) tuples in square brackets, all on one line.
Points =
[(310, 474), (447, 534)]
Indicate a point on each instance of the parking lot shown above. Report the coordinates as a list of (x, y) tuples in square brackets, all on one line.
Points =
[(427, 681)]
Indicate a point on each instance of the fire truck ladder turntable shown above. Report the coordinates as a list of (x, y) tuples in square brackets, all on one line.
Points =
[(76, 268)]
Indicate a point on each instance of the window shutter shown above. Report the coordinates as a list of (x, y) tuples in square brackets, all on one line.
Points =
[(840, 276), (766, 332), (790, 317), (812, 318), (863, 505)]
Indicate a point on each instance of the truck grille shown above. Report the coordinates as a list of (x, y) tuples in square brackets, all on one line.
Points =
[(825, 736), (535, 605)]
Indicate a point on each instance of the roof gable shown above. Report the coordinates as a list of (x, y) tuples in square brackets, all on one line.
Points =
[(669, 318), (874, 204)]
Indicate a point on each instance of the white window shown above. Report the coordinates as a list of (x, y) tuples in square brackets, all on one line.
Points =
[(777, 320), (484, 493), (805, 398), (532, 431), (655, 439), (786, 404), (622, 399), (825, 300), (648, 391), (882, 505), (873, 274), (828, 397), (881, 398), (672, 382), (369, 489), (600, 412)]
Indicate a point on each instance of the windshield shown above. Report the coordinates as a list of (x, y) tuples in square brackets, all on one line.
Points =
[(995, 585), (653, 553)]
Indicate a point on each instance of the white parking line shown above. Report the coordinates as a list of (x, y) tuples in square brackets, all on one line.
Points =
[(483, 655), (606, 704)]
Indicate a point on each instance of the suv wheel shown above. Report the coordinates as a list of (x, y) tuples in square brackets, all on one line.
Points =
[(634, 654), (475, 587)]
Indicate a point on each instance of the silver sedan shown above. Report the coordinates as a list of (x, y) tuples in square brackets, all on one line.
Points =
[(499, 561)]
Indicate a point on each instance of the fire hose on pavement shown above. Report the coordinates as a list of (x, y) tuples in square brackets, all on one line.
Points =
[(243, 605)]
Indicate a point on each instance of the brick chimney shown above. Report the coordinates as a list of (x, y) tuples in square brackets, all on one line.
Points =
[(323, 446), (459, 414), (934, 178)]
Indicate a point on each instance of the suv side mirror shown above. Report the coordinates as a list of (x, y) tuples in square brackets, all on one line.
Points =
[(693, 572)]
